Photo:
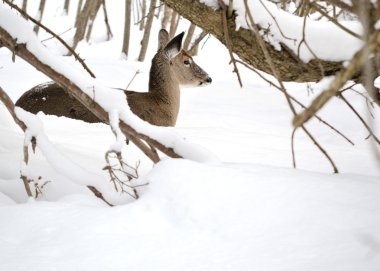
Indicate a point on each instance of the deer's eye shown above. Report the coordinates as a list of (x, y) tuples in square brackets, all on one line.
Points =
[(186, 62)]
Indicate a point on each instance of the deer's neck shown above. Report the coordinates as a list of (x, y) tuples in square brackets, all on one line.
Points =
[(163, 85)]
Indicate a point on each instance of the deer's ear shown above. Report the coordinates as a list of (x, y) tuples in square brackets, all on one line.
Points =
[(174, 46), (163, 38)]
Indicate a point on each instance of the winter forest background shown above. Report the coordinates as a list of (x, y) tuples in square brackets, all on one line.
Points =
[(273, 166)]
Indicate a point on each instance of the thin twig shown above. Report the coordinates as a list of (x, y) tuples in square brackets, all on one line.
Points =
[(38, 190), (360, 118), (98, 194), (147, 15), (133, 78), (198, 40), (60, 34), (275, 21), (122, 168), (368, 102), (303, 40), (292, 147), (228, 41)]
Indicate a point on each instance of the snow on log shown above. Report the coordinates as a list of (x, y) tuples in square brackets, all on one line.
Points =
[(284, 40)]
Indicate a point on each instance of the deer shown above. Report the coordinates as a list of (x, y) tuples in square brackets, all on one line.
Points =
[(171, 68)]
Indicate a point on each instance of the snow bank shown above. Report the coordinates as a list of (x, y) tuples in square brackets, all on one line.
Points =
[(199, 217), (326, 40)]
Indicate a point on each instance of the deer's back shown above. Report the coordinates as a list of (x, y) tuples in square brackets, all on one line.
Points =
[(52, 99)]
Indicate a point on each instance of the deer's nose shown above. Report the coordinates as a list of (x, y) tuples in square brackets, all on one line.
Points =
[(209, 80)]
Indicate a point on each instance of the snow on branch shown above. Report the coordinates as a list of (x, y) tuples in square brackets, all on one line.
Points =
[(326, 39), (17, 35)]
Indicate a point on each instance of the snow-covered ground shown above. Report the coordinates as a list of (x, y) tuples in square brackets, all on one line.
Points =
[(252, 211)]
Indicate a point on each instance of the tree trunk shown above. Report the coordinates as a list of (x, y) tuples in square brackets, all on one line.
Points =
[(127, 27), (173, 24), (159, 9), (79, 9), (109, 32), (92, 16), (24, 5), (143, 12), (41, 10), (189, 37), (66, 6), (245, 45), (82, 21), (148, 26), (195, 45), (166, 16)]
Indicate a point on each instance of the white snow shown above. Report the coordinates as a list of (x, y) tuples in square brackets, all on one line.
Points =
[(120, 138), (250, 211), (212, 218)]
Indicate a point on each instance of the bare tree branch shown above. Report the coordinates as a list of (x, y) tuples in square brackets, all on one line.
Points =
[(11, 109), (81, 61)]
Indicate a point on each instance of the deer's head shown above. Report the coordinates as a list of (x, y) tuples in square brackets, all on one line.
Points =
[(182, 65)]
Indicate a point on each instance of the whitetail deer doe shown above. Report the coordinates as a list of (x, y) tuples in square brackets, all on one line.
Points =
[(171, 67)]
